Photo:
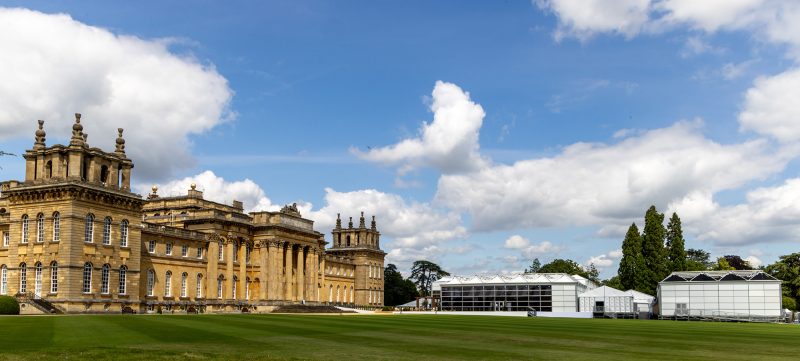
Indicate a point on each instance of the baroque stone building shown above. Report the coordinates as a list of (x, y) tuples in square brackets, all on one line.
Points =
[(77, 239)]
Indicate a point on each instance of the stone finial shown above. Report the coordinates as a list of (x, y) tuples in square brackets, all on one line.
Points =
[(77, 131), (193, 186), (374, 225), (154, 194), (120, 142), (350, 224), (338, 221), (40, 136), (361, 223)]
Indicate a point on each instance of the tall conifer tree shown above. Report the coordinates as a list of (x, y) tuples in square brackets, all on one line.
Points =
[(676, 245), (629, 265), (653, 251)]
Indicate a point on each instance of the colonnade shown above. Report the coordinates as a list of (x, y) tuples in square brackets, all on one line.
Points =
[(285, 270)]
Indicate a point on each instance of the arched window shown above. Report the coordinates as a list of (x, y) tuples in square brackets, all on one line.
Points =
[(23, 277), (330, 293), (168, 284), (40, 228), (151, 281), (247, 288), (37, 279), (233, 287), (199, 291), (88, 229), (87, 278), (352, 298), (123, 233), (338, 299), (3, 280), (344, 294), (184, 278), (56, 227), (220, 280), (24, 229), (54, 277), (107, 230), (104, 279), (247, 254), (123, 277), (48, 169), (103, 174), (348, 241), (221, 252)]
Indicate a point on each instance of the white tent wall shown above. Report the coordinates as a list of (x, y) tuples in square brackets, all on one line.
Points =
[(611, 304), (757, 299)]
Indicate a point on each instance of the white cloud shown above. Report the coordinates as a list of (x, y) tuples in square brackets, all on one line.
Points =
[(448, 143), (696, 45), (769, 214), (707, 15), (584, 18), (732, 71), (529, 250), (217, 189), (55, 66), (770, 106), (604, 260), (754, 261), (590, 184)]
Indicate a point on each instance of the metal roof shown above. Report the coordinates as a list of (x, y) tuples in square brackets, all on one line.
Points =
[(719, 276), (513, 278)]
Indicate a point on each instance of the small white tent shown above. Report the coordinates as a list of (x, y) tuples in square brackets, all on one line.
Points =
[(611, 300)]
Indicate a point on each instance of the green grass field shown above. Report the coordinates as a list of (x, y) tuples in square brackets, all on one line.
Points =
[(397, 337)]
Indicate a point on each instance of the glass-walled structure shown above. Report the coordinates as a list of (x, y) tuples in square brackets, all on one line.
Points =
[(554, 292)]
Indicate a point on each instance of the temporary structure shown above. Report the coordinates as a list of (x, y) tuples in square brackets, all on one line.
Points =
[(608, 300)]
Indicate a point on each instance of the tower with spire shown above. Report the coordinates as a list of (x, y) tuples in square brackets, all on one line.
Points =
[(363, 245)]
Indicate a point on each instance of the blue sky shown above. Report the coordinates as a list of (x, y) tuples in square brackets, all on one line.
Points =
[(300, 98)]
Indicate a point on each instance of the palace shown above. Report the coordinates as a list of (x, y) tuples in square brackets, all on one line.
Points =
[(76, 239)]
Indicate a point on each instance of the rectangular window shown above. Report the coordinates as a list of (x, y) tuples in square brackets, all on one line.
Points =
[(3, 280), (123, 275), (184, 251), (221, 252), (54, 278), (247, 254), (56, 227), (169, 248), (151, 246), (123, 234), (24, 229), (23, 279), (235, 254), (6, 239), (199, 252)]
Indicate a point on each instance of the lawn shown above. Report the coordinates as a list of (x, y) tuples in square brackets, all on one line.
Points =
[(390, 337)]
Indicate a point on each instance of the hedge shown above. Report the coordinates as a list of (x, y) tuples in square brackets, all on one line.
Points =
[(9, 305)]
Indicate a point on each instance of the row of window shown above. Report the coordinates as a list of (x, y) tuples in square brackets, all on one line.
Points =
[(339, 271), (38, 274), (151, 284), (375, 271), (56, 228), (151, 248)]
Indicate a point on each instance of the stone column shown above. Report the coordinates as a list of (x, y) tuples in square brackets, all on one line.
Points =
[(323, 295), (287, 273), (272, 270), (263, 271), (229, 270), (213, 265), (242, 288), (300, 276)]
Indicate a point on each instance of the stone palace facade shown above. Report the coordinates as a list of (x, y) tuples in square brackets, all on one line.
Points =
[(76, 239)]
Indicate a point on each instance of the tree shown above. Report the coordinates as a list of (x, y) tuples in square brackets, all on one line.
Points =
[(737, 262), (698, 260), (396, 290), (722, 265), (535, 266), (676, 244), (787, 269), (653, 253), (631, 263), (571, 267), (614, 282), (424, 273)]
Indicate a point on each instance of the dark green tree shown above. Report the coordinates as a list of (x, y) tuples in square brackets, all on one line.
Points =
[(629, 271), (571, 267), (424, 273), (614, 282), (653, 251), (698, 260), (722, 265), (535, 266), (676, 245), (787, 269), (737, 262), (396, 290)]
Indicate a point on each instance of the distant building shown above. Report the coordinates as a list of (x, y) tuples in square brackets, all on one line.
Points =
[(735, 295), (76, 239), (543, 292)]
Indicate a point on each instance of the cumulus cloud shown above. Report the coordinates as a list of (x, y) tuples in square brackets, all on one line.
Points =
[(604, 260), (769, 214), (770, 106), (55, 66), (599, 183), (448, 143), (217, 189), (584, 18), (524, 246)]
